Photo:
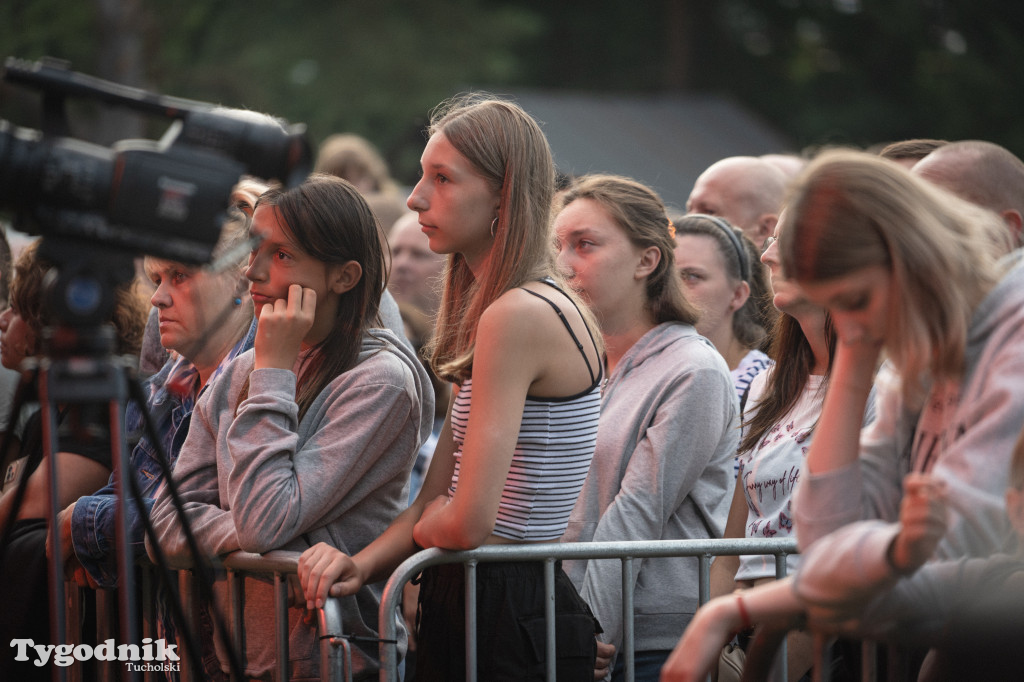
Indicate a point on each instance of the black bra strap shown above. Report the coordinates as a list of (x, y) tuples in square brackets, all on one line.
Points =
[(561, 316)]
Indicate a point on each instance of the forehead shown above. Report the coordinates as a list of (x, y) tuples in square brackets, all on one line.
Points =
[(698, 249), (583, 214), (267, 223), (153, 265), (440, 151)]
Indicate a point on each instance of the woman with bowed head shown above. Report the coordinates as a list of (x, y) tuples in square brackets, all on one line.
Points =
[(719, 268), (310, 436), (520, 431), (667, 437), (913, 274), (779, 424)]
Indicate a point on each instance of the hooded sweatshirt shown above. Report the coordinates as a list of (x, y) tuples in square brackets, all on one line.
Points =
[(964, 434), (662, 469), (254, 477)]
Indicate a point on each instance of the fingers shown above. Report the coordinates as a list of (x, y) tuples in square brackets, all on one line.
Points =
[(602, 665), (320, 568)]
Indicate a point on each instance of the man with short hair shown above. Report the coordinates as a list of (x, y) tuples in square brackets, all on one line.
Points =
[(745, 190), (983, 173)]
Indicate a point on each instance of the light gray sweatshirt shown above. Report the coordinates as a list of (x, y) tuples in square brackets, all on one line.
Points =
[(253, 477), (662, 469), (964, 434)]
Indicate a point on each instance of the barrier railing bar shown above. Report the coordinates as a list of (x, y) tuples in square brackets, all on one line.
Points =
[(470, 585), (236, 599), (412, 566), (281, 623), (550, 651), (628, 633)]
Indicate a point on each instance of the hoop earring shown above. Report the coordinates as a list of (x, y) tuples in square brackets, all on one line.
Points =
[(494, 224)]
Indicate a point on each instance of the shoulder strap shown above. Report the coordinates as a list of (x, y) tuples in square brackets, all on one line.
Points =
[(565, 322)]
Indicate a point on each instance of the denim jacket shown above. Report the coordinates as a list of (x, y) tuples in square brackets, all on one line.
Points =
[(172, 396)]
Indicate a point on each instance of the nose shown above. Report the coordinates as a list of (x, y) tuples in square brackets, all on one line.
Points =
[(255, 272), (161, 298), (5, 319), (416, 201), (771, 254), (563, 260)]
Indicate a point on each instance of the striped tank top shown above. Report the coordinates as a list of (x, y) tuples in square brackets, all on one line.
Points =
[(551, 460)]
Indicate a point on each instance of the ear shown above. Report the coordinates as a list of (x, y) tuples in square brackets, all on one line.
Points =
[(739, 296), (649, 259), (1015, 222), (343, 277)]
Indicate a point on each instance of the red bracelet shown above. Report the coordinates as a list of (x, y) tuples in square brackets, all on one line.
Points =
[(744, 616)]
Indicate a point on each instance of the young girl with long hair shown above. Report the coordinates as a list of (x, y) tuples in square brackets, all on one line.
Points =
[(519, 435), (906, 268), (779, 423), (667, 438), (913, 274), (310, 436)]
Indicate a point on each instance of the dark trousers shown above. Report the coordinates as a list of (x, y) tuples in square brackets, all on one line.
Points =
[(511, 639)]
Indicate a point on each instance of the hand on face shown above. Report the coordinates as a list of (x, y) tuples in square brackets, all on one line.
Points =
[(282, 326)]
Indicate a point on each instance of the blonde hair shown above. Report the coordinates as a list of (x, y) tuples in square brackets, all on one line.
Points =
[(506, 147), (850, 210)]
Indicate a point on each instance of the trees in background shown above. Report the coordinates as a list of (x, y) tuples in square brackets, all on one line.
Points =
[(823, 71)]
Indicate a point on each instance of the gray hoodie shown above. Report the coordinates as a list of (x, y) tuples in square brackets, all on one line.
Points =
[(253, 477), (662, 469), (965, 434)]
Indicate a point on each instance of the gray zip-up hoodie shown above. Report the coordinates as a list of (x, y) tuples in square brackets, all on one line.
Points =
[(253, 477), (662, 469), (965, 434)]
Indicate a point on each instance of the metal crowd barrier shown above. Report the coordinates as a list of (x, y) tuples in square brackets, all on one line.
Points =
[(626, 552), (335, 654)]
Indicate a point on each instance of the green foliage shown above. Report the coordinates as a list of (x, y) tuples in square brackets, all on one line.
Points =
[(375, 68), (824, 71)]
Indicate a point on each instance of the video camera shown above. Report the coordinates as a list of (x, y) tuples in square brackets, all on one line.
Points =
[(165, 198)]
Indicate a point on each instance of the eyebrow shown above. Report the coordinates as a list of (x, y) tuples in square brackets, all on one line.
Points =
[(577, 231)]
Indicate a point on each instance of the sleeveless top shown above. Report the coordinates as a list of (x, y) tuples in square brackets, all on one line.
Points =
[(552, 456)]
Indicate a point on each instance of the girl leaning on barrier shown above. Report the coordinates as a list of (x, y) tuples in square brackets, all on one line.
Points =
[(909, 271), (663, 463), (779, 424), (524, 413), (310, 436)]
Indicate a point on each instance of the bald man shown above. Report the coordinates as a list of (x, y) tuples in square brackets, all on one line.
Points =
[(982, 173), (745, 190)]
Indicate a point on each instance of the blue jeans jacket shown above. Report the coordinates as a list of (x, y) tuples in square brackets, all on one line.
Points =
[(92, 522)]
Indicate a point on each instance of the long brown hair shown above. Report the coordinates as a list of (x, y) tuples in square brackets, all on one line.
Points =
[(329, 219), (506, 147), (793, 363)]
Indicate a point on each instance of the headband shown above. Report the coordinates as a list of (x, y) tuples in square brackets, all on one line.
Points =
[(741, 253)]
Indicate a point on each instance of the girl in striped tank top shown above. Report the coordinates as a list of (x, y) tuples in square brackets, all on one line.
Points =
[(525, 361)]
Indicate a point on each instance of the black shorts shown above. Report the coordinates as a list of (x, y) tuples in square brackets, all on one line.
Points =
[(511, 634)]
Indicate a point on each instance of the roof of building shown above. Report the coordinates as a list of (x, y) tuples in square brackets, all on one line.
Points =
[(664, 141)]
